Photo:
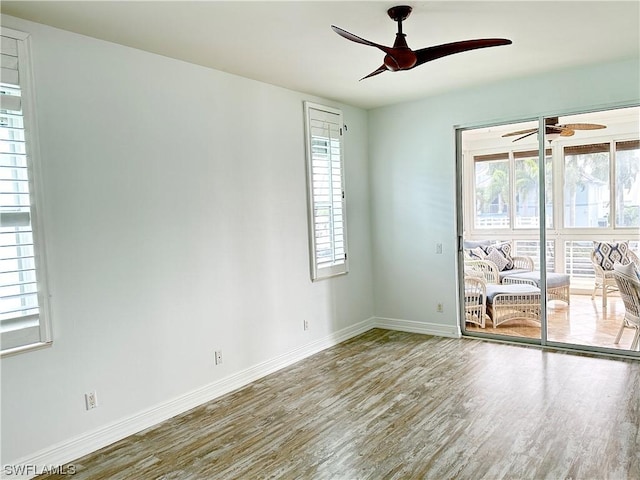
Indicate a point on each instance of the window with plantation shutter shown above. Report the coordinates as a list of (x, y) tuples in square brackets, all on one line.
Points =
[(23, 319), (325, 184)]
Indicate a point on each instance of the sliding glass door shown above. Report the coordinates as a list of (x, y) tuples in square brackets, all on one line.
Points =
[(501, 229), (579, 176)]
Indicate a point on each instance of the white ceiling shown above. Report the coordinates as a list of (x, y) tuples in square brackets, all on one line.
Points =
[(291, 44), (623, 122)]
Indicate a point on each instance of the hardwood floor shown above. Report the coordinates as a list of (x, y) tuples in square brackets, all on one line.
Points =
[(395, 405), (583, 322)]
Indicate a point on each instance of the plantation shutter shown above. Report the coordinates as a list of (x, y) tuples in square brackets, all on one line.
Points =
[(327, 218), (491, 157), (20, 312), (628, 145), (530, 154), (586, 149)]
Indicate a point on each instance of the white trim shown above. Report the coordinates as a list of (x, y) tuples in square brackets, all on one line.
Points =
[(77, 447), (36, 198), (70, 450), (412, 326), (331, 270), (34, 161)]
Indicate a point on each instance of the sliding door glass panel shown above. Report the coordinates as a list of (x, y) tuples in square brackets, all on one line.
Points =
[(500, 189), (599, 163)]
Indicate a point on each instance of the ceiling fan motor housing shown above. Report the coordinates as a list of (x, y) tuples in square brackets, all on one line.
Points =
[(399, 13)]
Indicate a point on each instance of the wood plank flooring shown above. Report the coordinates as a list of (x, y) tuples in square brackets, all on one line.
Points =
[(395, 405), (583, 322)]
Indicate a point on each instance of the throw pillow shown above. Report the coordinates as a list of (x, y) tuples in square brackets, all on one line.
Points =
[(505, 250), (629, 270), (496, 256), (608, 253), (478, 252)]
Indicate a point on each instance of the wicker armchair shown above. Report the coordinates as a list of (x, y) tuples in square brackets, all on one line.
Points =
[(490, 271), (484, 268), (627, 282), (605, 279), (499, 302), (475, 298)]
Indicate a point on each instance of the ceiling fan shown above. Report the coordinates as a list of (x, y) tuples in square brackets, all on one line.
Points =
[(401, 57), (553, 130)]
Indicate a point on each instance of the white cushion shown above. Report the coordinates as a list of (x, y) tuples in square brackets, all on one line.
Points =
[(513, 289)]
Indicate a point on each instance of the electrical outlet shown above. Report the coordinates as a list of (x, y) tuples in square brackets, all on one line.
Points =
[(91, 400), (439, 308), (218, 357), (438, 248), (306, 325)]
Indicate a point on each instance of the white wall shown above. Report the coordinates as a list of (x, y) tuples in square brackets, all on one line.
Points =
[(176, 225), (413, 171)]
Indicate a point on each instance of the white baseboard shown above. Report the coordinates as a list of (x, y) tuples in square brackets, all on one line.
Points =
[(70, 450), (413, 326)]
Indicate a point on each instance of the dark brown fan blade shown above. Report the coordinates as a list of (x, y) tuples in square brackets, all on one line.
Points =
[(527, 135), (433, 53), (380, 69), (582, 126), (520, 132), (357, 39)]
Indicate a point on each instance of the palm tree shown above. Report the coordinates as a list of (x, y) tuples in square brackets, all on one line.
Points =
[(492, 186), (527, 183), (499, 188)]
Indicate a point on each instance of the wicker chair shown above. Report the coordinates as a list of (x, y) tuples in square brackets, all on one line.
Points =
[(629, 286), (484, 268), (605, 279), (491, 272), (475, 297)]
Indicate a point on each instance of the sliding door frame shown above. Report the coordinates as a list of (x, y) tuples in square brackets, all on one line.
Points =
[(543, 341)]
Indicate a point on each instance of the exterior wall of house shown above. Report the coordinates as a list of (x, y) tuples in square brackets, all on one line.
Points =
[(175, 212), (413, 177)]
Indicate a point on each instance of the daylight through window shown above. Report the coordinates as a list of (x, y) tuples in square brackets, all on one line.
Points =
[(327, 220)]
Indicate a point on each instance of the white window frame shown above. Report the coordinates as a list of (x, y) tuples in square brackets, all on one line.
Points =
[(337, 264), (36, 332), (558, 234)]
